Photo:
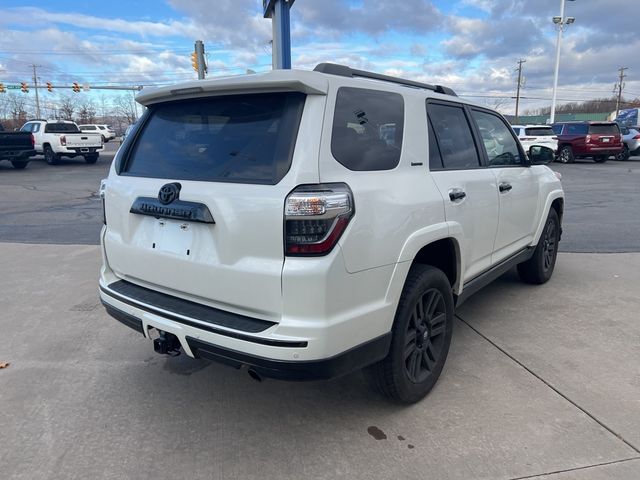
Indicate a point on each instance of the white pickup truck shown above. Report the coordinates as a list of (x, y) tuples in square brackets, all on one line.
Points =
[(61, 138)]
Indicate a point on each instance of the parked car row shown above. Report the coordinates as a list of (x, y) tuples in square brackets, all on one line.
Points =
[(582, 139), (104, 130)]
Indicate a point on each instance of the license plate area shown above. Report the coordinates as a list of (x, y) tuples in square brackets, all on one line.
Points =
[(605, 139), (173, 237)]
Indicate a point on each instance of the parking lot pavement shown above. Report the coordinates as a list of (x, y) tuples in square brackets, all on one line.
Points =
[(539, 380), (602, 206)]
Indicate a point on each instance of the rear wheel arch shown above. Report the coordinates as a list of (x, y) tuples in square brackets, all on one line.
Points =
[(443, 254)]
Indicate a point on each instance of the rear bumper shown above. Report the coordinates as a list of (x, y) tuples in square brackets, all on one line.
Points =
[(19, 155), (73, 151), (323, 369), (608, 150)]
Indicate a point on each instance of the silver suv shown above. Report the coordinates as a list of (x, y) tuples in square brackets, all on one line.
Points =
[(308, 224)]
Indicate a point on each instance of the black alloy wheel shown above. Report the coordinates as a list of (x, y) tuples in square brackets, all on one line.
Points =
[(424, 337), (549, 245), (624, 154), (421, 335), (50, 156)]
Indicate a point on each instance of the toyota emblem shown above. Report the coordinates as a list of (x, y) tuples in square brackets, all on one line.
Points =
[(169, 192)]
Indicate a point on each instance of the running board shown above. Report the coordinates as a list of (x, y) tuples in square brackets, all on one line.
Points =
[(482, 280)]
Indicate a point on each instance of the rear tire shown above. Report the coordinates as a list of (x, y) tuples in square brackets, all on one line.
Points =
[(91, 159), (421, 336), (539, 268), (566, 155), (50, 156), (600, 158), (624, 154), (19, 164)]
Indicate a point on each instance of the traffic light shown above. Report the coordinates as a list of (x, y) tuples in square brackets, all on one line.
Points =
[(2, 88), (194, 61), (49, 86), (24, 87), (76, 87)]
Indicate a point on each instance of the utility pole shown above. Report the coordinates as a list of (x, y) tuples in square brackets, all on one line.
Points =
[(199, 46), (520, 62), (35, 84), (620, 86), (278, 11)]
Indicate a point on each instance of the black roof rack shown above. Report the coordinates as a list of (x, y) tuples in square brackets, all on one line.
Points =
[(344, 71)]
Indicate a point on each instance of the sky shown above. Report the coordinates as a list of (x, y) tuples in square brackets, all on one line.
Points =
[(471, 46)]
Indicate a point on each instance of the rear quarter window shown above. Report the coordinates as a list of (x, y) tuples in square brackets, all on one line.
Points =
[(368, 127), (234, 138)]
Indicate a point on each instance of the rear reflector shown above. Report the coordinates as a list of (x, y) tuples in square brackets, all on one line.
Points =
[(315, 217)]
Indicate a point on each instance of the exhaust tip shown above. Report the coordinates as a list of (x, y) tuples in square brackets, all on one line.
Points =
[(255, 375)]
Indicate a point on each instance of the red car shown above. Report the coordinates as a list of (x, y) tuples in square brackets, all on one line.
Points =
[(598, 140)]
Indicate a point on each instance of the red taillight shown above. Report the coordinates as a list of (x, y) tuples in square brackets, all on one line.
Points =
[(33, 141), (637, 137), (63, 140), (315, 218)]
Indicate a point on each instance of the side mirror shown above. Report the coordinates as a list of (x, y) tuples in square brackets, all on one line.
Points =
[(539, 155)]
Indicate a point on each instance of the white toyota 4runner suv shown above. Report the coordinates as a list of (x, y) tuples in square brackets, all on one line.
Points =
[(307, 224)]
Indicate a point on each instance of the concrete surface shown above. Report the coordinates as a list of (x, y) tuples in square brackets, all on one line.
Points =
[(45, 204), (522, 393)]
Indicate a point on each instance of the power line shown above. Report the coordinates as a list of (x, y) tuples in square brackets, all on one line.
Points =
[(520, 62)]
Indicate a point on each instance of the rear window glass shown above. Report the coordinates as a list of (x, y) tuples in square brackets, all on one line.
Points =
[(604, 128), (61, 128), (235, 138), (367, 129), (539, 131), (557, 129)]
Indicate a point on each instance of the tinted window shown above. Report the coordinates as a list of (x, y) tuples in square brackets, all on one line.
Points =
[(87, 127), (557, 129), (239, 138), (498, 142), (27, 127), (35, 127), (61, 128), (625, 131), (454, 136), (575, 129), (367, 129), (435, 159), (540, 131), (604, 128)]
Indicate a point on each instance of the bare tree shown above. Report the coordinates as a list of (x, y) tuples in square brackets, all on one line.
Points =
[(17, 108), (87, 112), (124, 107), (67, 107)]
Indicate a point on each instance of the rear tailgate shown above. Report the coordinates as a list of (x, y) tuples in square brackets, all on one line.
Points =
[(605, 135), (83, 140), (197, 209), (15, 141)]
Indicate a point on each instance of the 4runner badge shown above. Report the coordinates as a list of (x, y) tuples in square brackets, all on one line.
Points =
[(169, 192)]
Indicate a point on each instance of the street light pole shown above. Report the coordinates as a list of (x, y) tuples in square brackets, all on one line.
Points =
[(560, 23), (278, 11)]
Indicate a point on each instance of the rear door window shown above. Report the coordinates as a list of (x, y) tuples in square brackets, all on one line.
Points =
[(367, 131), (453, 133), (61, 128), (236, 138), (604, 129)]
